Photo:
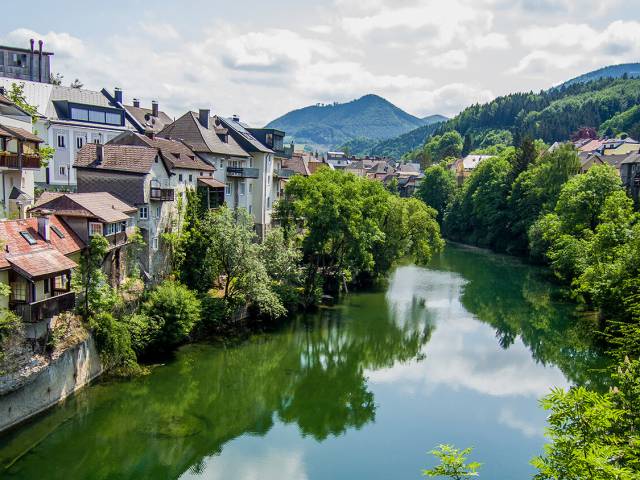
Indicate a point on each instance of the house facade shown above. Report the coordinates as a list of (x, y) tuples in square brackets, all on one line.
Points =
[(90, 214), (69, 118), (32, 64), (37, 262), (151, 174), (19, 160)]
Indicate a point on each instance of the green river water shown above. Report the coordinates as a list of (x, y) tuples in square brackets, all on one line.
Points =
[(456, 353)]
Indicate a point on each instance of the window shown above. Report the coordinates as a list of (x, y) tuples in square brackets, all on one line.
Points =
[(27, 236), (79, 142), (123, 226), (95, 228), (251, 162), (57, 231), (158, 210), (61, 141), (96, 138), (81, 114), (241, 186), (250, 187), (156, 160), (227, 188), (250, 209), (114, 118), (221, 163), (180, 177), (190, 177), (268, 202), (19, 291), (111, 229), (61, 282), (47, 285), (269, 139), (143, 213), (96, 116), (18, 60), (62, 170), (154, 243)]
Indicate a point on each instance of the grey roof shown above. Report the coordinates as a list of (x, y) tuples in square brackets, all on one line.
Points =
[(632, 158), (147, 120), (201, 140), (252, 143)]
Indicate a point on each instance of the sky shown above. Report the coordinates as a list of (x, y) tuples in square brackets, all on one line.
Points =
[(260, 59)]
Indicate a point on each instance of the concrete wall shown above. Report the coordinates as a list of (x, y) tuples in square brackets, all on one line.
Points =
[(74, 369)]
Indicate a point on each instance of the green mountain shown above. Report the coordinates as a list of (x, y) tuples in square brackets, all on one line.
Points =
[(605, 103), (431, 119), (613, 71), (392, 147), (370, 118)]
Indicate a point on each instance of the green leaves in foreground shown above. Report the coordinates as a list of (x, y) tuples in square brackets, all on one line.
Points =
[(452, 463)]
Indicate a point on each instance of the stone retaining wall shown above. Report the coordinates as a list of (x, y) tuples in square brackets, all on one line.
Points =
[(72, 370)]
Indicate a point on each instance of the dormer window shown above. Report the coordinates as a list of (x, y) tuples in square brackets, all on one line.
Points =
[(28, 237)]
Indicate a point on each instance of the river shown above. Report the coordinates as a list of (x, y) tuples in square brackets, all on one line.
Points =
[(459, 353)]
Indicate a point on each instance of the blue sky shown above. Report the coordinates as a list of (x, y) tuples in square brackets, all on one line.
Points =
[(261, 59)]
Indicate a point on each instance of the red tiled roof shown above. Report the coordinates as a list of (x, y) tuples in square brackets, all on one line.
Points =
[(177, 154), (41, 263), (126, 158), (16, 246), (101, 205), (19, 133)]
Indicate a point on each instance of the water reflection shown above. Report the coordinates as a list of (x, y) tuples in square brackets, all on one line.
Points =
[(358, 391)]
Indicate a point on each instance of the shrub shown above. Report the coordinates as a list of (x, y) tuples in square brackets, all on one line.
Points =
[(173, 310)]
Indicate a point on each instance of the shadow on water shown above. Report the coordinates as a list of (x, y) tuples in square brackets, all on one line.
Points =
[(312, 374)]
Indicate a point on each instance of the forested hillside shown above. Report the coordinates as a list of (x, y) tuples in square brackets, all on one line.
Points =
[(552, 115), (328, 126), (613, 71)]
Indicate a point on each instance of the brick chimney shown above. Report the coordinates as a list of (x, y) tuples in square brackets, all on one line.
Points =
[(236, 118), (118, 95), (99, 153), (136, 102), (154, 108), (203, 117), (44, 224)]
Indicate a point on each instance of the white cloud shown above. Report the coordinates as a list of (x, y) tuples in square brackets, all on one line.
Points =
[(491, 40), (451, 99), (449, 60), (540, 63)]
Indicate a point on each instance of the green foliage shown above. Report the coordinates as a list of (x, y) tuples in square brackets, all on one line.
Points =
[(173, 310), (452, 463), (89, 281), (584, 441), (17, 96), (114, 344), (624, 122), (354, 229), (437, 189), (442, 146)]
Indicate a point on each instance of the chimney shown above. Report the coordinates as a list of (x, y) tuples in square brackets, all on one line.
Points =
[(117, 93), (154, 108), (99, 153), (203, 117), (235, 118), (44, 222), (31, 59), (136, 102), (150, 134), (40, 60)]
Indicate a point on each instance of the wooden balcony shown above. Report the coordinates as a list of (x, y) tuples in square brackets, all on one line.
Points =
[(162, 194), (241, 172), (43, 309), (17, 162)]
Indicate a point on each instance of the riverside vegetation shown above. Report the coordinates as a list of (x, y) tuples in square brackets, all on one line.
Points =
[(532, 202)]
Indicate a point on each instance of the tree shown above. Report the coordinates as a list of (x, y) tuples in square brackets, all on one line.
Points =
[(442, 146), (392, 186), (437, 189), (174, 310), (90, 282), (467, 146), (452, 463), (584, 444), (76, 84), (55, 78)]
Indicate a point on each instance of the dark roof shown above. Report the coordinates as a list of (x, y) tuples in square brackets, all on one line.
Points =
[(297, 164), (176, 153), (202, 140), (24, 50), (210, 182), (126, 158), (632, 158), (145, 118), (243, 136)]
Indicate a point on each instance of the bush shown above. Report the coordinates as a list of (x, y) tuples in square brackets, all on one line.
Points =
[(173, 310), (114, 344)]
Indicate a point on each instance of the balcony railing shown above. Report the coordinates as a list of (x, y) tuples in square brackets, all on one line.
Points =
[(47, 308), (241, 172), (162, 194), (284, 173), (14, 161), (117, 239)]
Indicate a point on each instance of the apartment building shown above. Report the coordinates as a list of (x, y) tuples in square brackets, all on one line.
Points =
[(26, 64)]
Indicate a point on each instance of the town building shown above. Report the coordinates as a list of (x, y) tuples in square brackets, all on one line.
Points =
[(463, 167), (37, 261), (69, 118), (150, 173), (89, 214), (19, 160), (26, 64), (338, 159), (630, 175)]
